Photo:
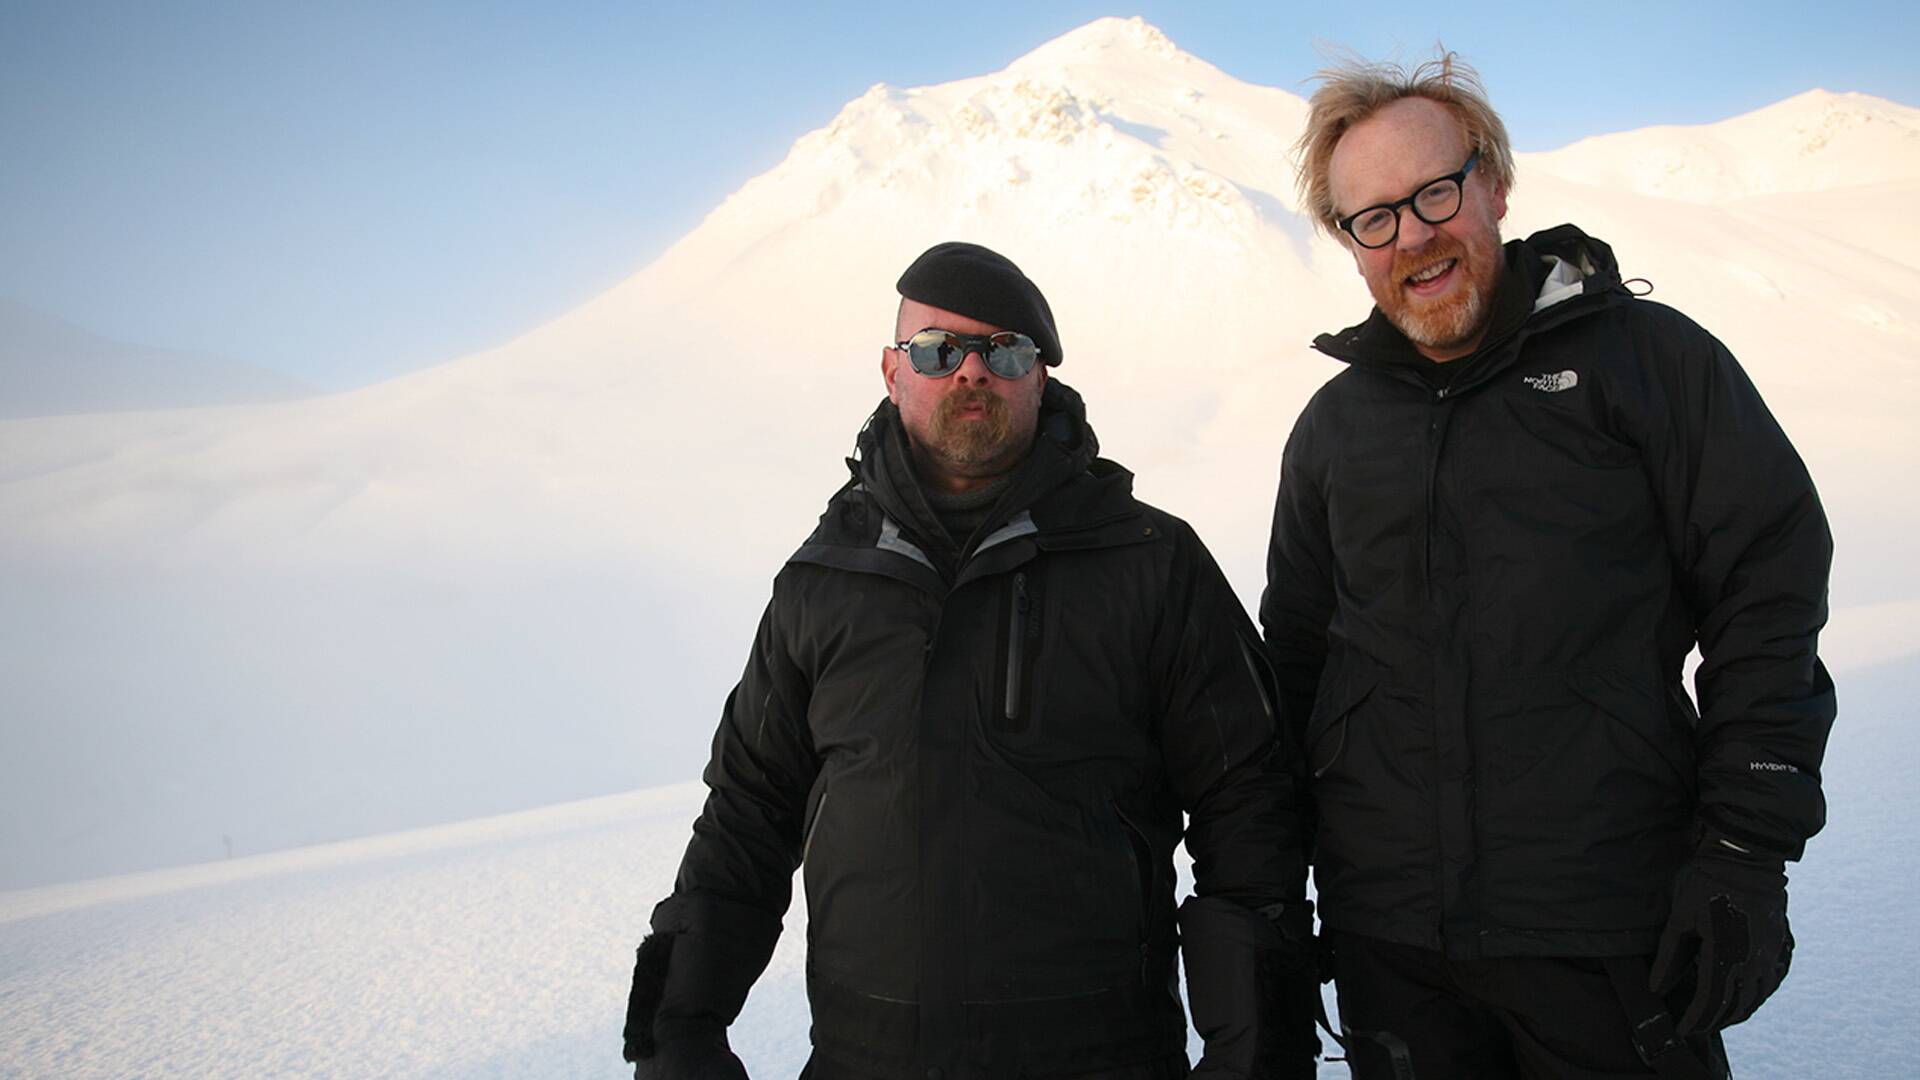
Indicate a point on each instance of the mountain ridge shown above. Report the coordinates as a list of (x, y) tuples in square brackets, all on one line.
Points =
[(1812, 142)]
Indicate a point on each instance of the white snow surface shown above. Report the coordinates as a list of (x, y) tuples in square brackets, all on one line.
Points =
[(502, 948), (530, 575)]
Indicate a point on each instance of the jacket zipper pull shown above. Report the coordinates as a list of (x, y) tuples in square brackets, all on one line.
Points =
[(1016, 643)]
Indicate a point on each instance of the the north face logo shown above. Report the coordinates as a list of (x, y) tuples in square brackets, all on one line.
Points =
[(1552, 382)]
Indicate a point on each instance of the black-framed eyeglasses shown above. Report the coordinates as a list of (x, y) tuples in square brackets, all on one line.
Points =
[(938, 353), (1434, 202)]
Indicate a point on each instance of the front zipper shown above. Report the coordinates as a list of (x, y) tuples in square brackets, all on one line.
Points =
[(1434, 438), (1016, 643)]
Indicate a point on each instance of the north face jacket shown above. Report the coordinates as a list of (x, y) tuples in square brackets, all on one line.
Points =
[(979, 753), (1483, 582)]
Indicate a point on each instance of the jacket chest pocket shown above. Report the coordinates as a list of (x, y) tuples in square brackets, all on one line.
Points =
[(1022, 633), (1070, 686)]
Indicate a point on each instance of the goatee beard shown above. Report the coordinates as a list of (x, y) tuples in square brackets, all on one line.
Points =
[(1446, 324), (979, 441)]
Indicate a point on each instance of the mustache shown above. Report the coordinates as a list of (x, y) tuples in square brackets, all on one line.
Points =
[(976, 397), (1406, 264)]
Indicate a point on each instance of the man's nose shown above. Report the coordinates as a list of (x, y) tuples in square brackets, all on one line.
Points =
[(1414, 232), (973, 368)]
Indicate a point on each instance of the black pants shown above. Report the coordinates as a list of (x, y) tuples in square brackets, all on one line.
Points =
[(1413, 1014)]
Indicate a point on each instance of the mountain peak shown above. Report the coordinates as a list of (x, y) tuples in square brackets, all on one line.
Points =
[(1104, 39), (1825, 109), (1820, 99)]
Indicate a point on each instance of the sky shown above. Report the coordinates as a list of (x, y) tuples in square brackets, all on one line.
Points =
[(345, 192)]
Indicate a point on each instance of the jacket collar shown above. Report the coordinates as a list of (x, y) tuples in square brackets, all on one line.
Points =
[(1062, 494), (1550, 277)]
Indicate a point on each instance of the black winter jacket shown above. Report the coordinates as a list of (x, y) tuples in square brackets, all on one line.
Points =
[(981, 753), (1480, 596)]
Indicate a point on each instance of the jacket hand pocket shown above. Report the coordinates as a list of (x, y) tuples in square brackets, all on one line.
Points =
[(1326, 734)]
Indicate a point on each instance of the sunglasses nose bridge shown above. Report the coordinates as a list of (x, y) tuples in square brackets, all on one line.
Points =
[(973, 363)]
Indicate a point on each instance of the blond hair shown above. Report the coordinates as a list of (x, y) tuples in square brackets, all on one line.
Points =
[(1353, 89)]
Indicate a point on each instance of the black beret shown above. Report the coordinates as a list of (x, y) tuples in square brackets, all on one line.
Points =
[(970, 280)]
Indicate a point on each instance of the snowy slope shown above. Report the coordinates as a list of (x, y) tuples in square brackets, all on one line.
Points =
[(1812, 142), (502, 948), (530, 575)]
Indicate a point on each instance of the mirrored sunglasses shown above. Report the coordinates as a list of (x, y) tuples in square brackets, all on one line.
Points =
[(939, 353)]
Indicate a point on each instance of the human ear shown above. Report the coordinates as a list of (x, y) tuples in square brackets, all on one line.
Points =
[(889, 370)]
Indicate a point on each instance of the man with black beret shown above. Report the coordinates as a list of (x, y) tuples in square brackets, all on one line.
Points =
[(986, 691)]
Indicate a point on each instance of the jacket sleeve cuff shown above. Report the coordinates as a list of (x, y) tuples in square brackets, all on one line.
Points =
[(720, 948)]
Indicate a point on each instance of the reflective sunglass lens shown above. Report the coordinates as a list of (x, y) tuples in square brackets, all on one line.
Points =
[(934, 353), (1013, 355)]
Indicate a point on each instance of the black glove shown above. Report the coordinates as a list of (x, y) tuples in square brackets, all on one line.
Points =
[(1728, 931), (1253, 986), (690, 978), (699, 1051)]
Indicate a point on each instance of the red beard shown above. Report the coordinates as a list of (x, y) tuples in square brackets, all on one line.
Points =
[(1453, 320)]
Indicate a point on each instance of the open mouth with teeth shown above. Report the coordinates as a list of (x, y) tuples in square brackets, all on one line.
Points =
[(1432, 277)]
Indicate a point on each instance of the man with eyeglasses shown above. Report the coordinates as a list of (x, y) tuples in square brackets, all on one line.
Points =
[(1499, 532), (987, 688)]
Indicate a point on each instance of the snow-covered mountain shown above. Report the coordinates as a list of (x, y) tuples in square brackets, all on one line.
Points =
[(530, 574), (49, 367), (1813, 142)]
